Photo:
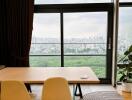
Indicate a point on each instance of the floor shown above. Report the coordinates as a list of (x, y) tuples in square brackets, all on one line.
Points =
[(126, 95), (37, 89)]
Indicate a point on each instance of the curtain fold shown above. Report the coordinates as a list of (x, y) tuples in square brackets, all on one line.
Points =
[(2, 33), (19, 22), (16, 22)]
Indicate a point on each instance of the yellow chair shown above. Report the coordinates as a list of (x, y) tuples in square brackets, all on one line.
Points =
[(14, 90), (56, 89)]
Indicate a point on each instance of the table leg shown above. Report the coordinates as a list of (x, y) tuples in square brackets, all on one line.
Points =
[(74, 92), (80, 91), (28, 87)]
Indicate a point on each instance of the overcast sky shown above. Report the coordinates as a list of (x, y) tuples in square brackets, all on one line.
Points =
[(76, 25)]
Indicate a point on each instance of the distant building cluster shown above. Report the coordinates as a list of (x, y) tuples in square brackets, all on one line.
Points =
[(94, 45)]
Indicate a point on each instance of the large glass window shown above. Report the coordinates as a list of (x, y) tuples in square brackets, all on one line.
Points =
[(73, 35), (125, 30), (46, 40), (85, 40)]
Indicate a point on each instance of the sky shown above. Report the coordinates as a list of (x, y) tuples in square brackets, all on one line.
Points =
[(125, 22), (79, 25), (76, 25)]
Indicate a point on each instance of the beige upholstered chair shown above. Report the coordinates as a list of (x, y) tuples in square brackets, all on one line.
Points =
[(14, 90), (56, 89)]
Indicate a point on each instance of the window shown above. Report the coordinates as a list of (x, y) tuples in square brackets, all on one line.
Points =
[(73, 35), (45, 48), (125, 32), (125, 24), (85, 40)]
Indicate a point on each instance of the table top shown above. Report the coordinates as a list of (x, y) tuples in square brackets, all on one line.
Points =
[(36, 75)]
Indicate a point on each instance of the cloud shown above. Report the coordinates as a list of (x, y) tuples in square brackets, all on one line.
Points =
[(75, 25), (79, 24)]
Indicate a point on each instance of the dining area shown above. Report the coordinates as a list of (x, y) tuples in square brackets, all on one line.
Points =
[(40, 75), (65, 49)]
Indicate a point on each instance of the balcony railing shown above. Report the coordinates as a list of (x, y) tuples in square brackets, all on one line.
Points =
[(75, 54)]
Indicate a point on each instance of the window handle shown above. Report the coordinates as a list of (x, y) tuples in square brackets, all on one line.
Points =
[(109, 44)]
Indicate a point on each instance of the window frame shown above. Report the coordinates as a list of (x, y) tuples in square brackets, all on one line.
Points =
[(105, 1), (125, 4), (86, 7)]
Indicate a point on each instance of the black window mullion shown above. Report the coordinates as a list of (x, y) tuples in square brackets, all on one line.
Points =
[(62, 39), (125, 4), (109, 45)]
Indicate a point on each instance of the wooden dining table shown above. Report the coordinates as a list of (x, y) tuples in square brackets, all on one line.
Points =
[(37, 75)]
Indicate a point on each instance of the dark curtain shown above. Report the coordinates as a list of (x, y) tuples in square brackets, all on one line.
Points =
[(2, 33), (19, 20)]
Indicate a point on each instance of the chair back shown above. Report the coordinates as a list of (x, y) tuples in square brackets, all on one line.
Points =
[(14, 90), (56, 89)]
